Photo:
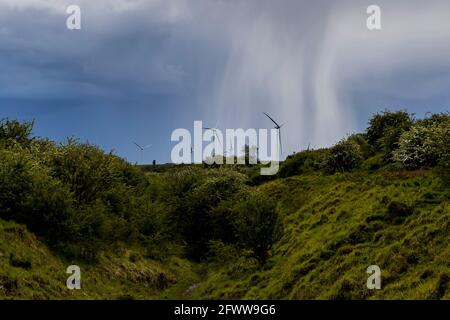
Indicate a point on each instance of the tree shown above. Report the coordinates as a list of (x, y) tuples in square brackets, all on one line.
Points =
[(258, 226)]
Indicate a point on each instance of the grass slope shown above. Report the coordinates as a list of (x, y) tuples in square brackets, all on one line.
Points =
[(336, 226), (29, 270)]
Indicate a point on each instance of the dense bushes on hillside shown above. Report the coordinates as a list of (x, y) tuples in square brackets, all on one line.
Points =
[(28, 194), (196, 198), (81, 199), (75, 196), (391, 137), (216, 206)]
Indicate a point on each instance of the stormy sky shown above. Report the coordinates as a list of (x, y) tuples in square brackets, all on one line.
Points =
[(138, 69)]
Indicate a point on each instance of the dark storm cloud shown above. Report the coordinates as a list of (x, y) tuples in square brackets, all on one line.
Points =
[(312, 64)]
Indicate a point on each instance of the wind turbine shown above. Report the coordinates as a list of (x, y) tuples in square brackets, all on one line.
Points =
[(142, 150), (214, 130), (278, 127), (230, 150)]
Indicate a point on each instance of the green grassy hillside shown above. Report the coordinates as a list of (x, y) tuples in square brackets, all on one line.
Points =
[(336, 227), (29, 270), (224, 231)]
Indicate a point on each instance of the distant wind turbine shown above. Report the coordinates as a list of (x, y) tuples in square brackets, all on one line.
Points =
[(142, 149), (230, 150), (214, 130), (278, 127)]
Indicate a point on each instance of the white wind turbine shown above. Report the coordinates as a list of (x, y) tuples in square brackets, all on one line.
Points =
[(142, 149), (215, 135), (278, 127)]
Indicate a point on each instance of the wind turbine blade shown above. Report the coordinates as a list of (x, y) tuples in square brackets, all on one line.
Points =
[(272, 120), (138, 146), (148, 146), (220, 142)]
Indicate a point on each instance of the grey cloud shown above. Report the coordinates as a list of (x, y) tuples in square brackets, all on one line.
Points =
[(303, 61)]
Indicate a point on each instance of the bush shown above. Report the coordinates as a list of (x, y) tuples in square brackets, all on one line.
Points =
[(15, 181), (415, 150), (436, 119), (86, 169), (385, 129), (425, 145), (195, 203), (302, 162), (29, 195), (13, 131), (364, 146), (258, 226), (344, 156), (222, 253), (440, 142), (373, 163), (74, 196)]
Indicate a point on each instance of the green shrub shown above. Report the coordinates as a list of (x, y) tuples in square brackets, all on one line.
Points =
[(385, 129), (364, 146), (30, 196), (86, 169), (75, 196), (222, 252), (194, 202), (13, 131), (258, 225), (425, 145), (302, 162), (436, 119), (373, 163), (415, 150), (344, 156), (15, 181), (440, 145)]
